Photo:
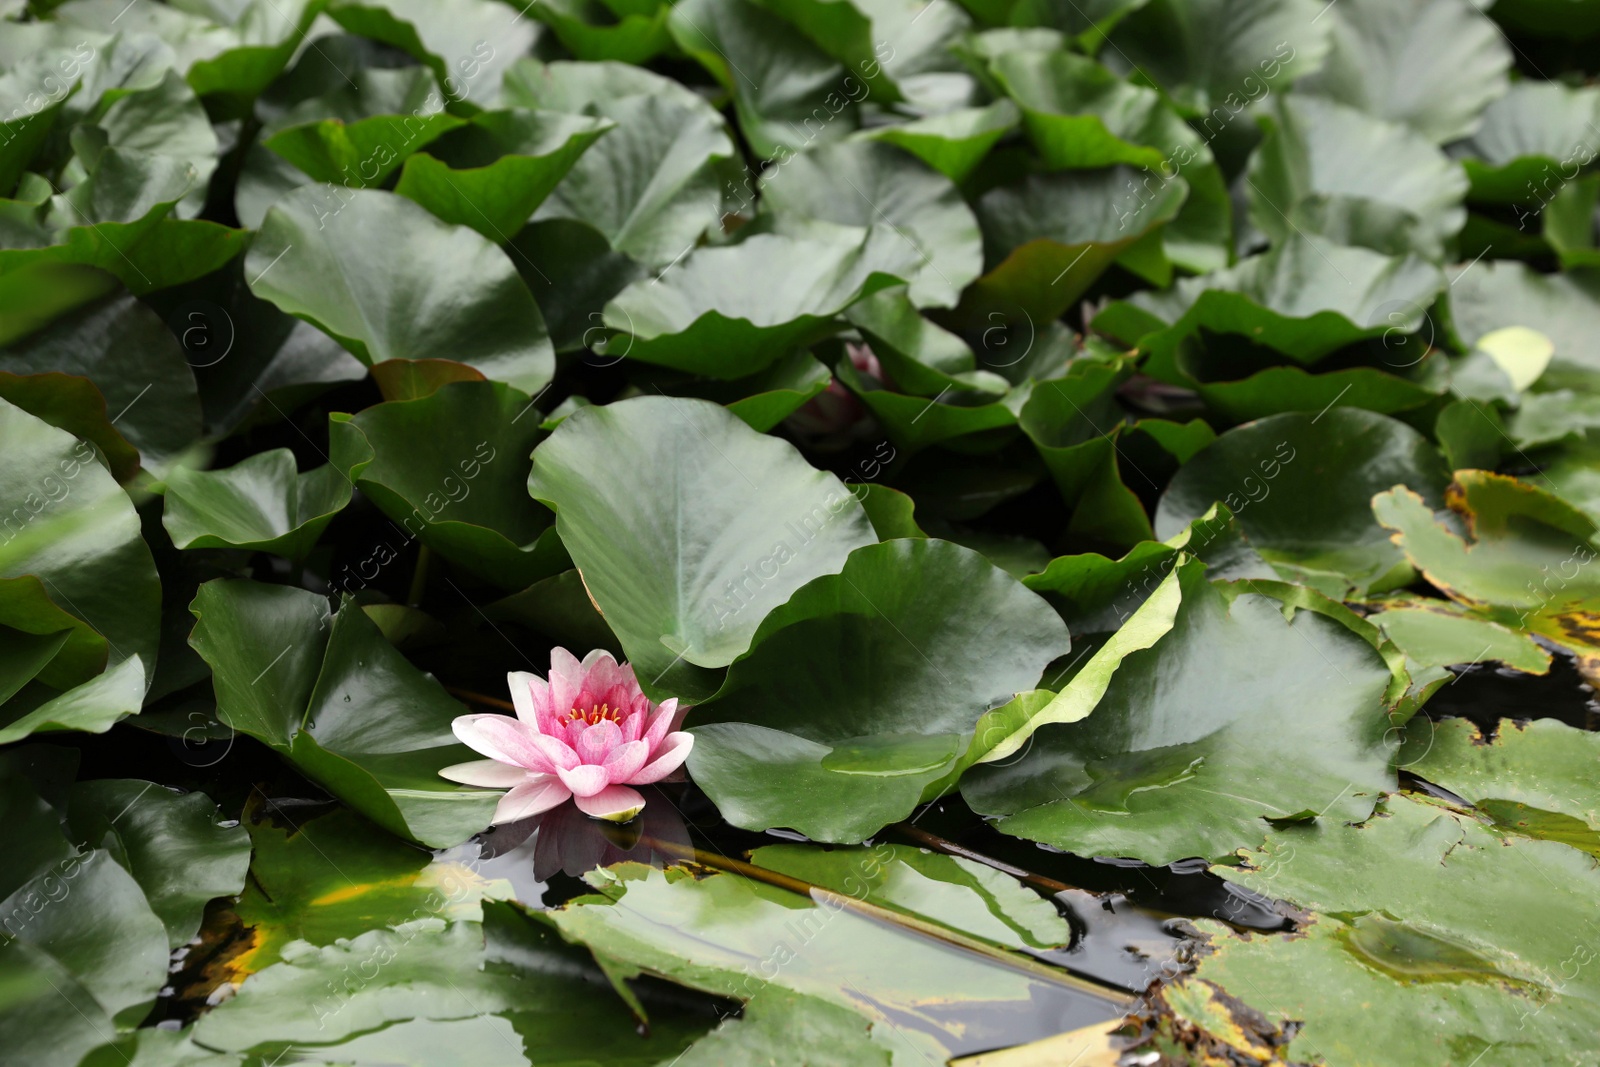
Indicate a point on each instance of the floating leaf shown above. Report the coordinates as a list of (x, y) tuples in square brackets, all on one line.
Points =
[(629, 31), (260, 503), (787, 92), (173, 844), (1330, 170), (1526, 567), (387, 280), (731, 936), (965, 896), (491, 174), (136, 364), (1563, 308), (866, 731), (1218, 56), (653, 184), (1303, 298), (952, 142), (438, 989), (1274, 475), (1432, 634), (468, 44), (1389, 944), (298, 893), (74, 528), (864, 184), (1048, 236), (1531, 140), (1079, 115), (1431, 64), (1234, 712), (729, 312), (451, 469), (311, 692), (684, 594), (1532, 778)]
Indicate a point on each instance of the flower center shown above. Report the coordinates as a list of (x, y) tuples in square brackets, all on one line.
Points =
[(595, 714)]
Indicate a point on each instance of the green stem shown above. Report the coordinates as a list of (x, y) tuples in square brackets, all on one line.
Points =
[(419, 576)]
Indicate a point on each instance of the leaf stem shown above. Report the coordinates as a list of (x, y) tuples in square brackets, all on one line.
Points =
[(479, 698), (419, 576), (910, 923)]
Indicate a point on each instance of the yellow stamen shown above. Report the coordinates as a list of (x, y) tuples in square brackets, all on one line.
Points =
[(595, 714)]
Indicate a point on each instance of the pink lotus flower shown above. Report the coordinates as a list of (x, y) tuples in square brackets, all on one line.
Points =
[(588, 733)]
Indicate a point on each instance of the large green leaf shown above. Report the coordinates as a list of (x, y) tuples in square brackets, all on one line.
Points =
[(1076, 424), (173, 844), (870, 681), (1304, 298), (1440, 634), (573, 272), (788, 93), (147, 253), (734, 936), (298, 891), (1047, 237), (1079, 115), (1141, 621), (1534, 138), (230, 53), (72, 403), (845, 31), (507, 985), (1420, 913), (1233, 717), (1526, 566), (492, 173), (861, 183), (688, 527), (51, 1019), (340, 704), (1431, 64), (1215, 57), (164, 127), (452, 470), (137, 365), (70, 525), (630, 31), (729, 312), (780, 1025), (653, 184), (360, 152), (87, 918), (1328, 169), (93, 706), (1301, 486), (1275, 390), (389, 281), (260, 503), (251, 360), (915, 422), (29, 113), (468, 44), (650, 185), (1532, 778), (951, 142)]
